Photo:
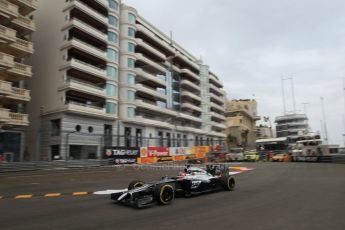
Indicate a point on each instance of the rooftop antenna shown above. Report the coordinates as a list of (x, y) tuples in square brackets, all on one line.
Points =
[(283, 94), (344, 109), (293, 94), (324, 120), (305, 104), (171, 37)]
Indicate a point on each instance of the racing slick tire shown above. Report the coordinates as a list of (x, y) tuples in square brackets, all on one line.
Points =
[(135, 184), (228, 183), (164, 194)]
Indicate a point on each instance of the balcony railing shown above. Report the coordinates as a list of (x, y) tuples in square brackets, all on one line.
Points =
[(7, 34), (9, 8), (148, 61), (21, 94), (26, 23), (87, 28), (86, 87), (85, 67), (151, 91), (4, 115), (23, 45), (6, 60), (18, 119), (150, 77), (86, 47), (21, 69), (149, 48), (90, 11)]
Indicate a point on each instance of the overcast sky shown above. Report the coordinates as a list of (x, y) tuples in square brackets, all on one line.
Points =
[(250, 44)]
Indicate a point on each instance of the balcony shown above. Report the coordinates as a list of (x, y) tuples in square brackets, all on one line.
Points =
[(85, 67), (216, 98), (85, 87), (22, 47), (188, 61), (190, 117), (215, 81), (190, 85), (25, 6), (6, 61), (152, 36), (150, 49), (140, 72), (154, 107), (191, 95), (14, 93), (150, 91), (4, 115), (218, 107), (150, 122), (87, 29), (85, 47), (191, 74), (13, 119), (90, 11), (8, 9), (218, 116), (7, 35), (189, 129), (25, 25), (218, 125), (103, 2), (217, 91), (21, 70), (217, 134), (19, 119), (89, 110), (190, 106), (151, 63), (5, 87)]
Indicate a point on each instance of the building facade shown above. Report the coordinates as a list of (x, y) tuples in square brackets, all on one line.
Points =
[(241, 116), (16, 27), (107, 77), (292, 126)]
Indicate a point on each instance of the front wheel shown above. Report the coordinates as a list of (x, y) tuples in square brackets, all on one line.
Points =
[(228, 183), (164, 194)]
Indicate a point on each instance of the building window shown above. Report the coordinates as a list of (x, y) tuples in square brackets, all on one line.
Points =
[(131, 112), (131, 47), (131, 32), (113, 21), (131, 18), (55, 127), (131, 63), (113, 37), (112, 72), (55, 152), (113, 4), (111, 108), (130, 79), (111, 90), (112, 54), (130, 95)]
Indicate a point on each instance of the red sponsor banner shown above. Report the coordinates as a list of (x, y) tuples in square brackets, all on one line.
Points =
[(157, 152)]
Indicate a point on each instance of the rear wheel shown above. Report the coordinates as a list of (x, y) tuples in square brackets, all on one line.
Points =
[(228, 183), (135, 184), (164, 194)]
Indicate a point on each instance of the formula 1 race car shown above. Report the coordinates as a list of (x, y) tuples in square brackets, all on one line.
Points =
[(190, 182)]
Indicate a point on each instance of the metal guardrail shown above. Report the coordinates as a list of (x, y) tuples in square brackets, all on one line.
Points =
[(42, 165)]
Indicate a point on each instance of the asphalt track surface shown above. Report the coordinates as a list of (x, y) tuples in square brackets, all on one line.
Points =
[(272, 196)]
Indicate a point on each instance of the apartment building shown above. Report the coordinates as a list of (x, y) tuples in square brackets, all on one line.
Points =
[(292, 126), (105, 76), (241, 116), (16, 27)]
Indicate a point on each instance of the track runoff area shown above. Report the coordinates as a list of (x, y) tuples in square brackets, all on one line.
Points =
[(233, 171)]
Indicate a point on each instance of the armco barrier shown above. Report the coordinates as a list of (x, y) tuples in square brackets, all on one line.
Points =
[(40, 165)]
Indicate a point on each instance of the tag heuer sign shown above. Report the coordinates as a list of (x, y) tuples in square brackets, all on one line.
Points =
[(122, 155)]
